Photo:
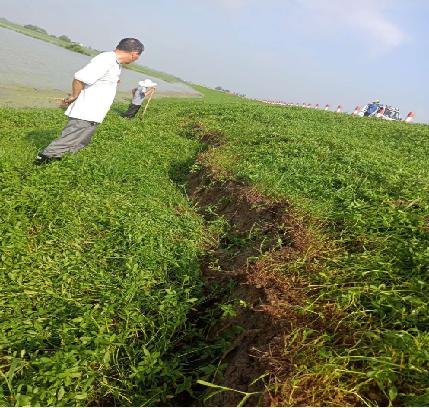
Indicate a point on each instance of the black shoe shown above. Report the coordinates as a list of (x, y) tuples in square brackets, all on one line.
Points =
[(42, 159)]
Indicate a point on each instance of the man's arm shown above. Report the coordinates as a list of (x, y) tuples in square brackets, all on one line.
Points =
[(77, 87), (149, 92)]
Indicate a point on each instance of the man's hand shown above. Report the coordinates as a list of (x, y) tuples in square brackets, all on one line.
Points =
[(77, 87), (150, 91), (69, 100)]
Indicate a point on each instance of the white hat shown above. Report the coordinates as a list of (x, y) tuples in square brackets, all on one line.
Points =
[(147, 83)]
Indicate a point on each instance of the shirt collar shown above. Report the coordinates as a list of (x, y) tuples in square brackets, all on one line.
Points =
[(116, 57)]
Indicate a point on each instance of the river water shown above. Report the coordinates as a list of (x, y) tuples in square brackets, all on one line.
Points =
[(27, 62)]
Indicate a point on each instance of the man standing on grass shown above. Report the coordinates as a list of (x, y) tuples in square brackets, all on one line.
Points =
[(93, 92)]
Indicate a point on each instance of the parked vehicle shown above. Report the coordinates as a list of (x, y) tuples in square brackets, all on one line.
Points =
[(378, 110)]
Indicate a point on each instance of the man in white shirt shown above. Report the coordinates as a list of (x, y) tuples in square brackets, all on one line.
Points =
[(93, 92)]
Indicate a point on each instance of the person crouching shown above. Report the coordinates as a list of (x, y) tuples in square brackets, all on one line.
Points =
[(145, 88)]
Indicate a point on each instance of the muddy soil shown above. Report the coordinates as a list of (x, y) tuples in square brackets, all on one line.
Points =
[(263, 238)]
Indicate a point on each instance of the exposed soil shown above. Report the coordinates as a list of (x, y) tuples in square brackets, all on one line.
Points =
[(269, 226), (269, 253), (264, 241)]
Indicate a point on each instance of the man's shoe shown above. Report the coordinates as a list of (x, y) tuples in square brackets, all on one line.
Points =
[(42, 159)]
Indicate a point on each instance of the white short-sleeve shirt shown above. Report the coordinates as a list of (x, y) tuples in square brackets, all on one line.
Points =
[(101, 78)]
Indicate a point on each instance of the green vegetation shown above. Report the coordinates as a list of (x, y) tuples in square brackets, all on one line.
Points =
[(41, 34), (364, 186), (35, 28), (99, 253), (77, 48), (64, 38), (151, 72), (98, 264)]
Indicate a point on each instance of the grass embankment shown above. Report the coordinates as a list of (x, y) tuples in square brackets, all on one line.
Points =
[(362, 187), (43, 36), (99, 254), (81, 49), (98, 264)]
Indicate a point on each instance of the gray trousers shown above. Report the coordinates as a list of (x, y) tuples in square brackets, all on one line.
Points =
[(76, 134)]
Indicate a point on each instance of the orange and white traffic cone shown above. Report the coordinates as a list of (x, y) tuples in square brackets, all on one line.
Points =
[(409, 117)]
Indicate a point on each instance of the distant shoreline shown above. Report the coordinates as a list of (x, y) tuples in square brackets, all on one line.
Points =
[(81, 49), (21, 96)]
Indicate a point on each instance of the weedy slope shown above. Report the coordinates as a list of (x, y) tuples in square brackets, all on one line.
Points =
[(362, 188), (100, 254), (98, 264)]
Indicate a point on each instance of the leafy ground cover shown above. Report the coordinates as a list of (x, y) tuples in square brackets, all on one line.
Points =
[(100, 254), (363, 185), (99, 264)]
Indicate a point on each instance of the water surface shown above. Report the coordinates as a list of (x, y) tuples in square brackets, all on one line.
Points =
[(42, 67)]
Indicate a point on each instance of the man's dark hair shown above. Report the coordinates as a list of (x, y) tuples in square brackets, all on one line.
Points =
[(130, 45)]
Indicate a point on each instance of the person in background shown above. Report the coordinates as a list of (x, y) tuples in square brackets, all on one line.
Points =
[(145, 88), (93, 92)]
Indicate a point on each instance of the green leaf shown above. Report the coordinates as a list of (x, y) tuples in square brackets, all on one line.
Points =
[(393, 393), (60, 394)]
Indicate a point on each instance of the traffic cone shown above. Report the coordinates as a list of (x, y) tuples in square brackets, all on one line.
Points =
[(409, 117), (380, 112), (356, 111)]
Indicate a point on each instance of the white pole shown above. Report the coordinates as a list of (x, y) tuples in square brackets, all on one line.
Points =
[(145, 108)]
